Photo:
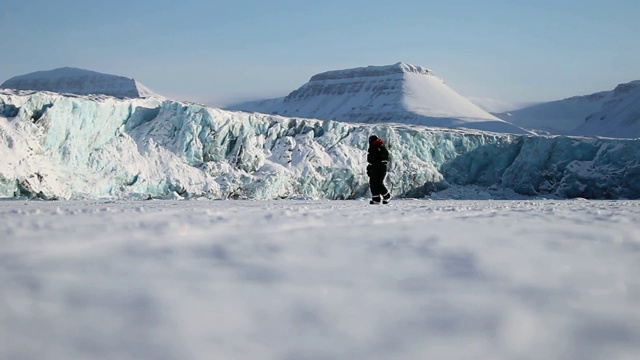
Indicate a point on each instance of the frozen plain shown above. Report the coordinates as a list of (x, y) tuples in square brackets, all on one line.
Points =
[(299, 279)]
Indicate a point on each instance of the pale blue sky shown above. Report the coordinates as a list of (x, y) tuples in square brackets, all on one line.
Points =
[(219, 51)]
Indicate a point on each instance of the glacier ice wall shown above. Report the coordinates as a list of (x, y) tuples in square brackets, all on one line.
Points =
[(54, 146)]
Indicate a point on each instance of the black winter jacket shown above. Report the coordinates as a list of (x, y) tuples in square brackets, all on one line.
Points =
[(377, 157)]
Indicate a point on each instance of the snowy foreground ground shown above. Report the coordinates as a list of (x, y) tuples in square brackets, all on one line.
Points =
[(418, 279)]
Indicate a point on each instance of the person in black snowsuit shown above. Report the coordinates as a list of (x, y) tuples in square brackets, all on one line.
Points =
[(377, 159)]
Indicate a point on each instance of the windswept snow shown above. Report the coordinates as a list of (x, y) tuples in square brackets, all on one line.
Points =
[(80, 82), (191, 280)]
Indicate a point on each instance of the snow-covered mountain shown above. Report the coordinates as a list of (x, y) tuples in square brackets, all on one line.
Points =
[(614, 113), (399, 93), (79, 81), (619, 116), (53, 145)]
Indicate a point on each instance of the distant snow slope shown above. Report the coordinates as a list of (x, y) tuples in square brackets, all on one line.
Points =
[(79, 81), (494, 106), (619, 117), (399, 93), (614, 113)]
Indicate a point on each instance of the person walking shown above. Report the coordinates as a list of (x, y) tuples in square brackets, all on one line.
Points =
[(377, 159)]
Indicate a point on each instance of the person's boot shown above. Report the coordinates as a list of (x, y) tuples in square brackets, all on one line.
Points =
[(375, 200), (385, 198)]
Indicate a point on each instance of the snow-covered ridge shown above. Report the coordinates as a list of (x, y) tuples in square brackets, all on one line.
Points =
[(613, 113), (79, 81), (626, 88), (369, 71), (399, 93), (79, 147)]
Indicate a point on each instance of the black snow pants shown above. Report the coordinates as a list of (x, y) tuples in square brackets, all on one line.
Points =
[(376, 183)]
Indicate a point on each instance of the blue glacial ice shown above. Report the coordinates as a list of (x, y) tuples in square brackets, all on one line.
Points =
[(55, 146)]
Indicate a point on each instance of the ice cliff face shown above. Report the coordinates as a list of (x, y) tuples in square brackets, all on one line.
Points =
[(81, 147), (614, 113), (78, 81), (399, 93)]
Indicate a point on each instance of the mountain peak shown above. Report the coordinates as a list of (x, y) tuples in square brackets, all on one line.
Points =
[(398, 93), (59, 73), (372, 71), (626, 87), (78, 81)]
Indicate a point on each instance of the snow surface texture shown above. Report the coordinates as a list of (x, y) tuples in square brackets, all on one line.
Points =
[(614, 113), (399, 93), (417, 279), (78, 81), (54, 146)]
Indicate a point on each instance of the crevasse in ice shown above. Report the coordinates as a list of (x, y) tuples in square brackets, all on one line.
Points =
[(55, 146)]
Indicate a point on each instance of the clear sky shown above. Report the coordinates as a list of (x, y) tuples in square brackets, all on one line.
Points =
[(222, 51)]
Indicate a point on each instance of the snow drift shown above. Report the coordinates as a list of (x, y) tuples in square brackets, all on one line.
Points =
[(53, 145), (79, 81), (399, 93)]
